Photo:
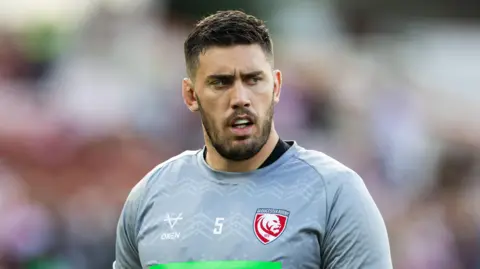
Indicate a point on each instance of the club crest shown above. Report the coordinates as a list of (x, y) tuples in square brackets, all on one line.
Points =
[(269, 224)]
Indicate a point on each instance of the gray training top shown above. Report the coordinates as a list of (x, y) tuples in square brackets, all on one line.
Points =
[(306, 210)]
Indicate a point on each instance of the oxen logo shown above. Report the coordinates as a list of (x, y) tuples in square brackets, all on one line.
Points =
[(269, 224)]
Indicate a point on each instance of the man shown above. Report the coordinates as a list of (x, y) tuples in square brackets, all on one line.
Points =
[(248, 199)]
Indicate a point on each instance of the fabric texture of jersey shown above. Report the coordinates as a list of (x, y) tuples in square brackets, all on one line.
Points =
[(306, 210)]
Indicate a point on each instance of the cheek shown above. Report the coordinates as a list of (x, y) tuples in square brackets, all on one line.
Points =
[(215, 109), (216, 102), (213, 118), (263, 105)]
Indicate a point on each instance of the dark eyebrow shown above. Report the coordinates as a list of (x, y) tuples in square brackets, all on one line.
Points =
[(232, 76), (251, 74), (220, 77)]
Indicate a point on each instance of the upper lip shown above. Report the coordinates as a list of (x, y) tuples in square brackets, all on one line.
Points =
[(241, 117)]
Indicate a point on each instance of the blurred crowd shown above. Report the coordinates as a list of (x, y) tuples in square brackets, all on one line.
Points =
[(86, 111)]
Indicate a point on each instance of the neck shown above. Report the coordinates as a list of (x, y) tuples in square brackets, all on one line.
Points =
[(217, 162)]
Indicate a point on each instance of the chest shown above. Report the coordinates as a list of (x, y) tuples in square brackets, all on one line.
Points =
[(231, 223)]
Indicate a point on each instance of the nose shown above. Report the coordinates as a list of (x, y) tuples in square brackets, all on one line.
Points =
[(239, 97)]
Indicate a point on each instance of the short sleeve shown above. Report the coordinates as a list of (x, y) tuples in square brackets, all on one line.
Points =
[(126, 251), (356, 234)]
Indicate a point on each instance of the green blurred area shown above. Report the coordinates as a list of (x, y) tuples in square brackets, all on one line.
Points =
[(43, 41)]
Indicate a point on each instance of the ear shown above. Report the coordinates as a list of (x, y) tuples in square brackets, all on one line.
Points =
[(188, 95), (277, 85)]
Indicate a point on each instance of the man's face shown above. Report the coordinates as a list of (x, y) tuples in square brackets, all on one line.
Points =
[(235, 91)]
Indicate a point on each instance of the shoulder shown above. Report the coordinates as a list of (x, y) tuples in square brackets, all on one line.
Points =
[(345, 191), (175, 163), (332, 172)]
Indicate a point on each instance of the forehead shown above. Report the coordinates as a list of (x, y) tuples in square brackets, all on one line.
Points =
[(241, 58)]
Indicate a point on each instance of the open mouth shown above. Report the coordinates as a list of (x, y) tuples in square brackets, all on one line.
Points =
[(241, 123)]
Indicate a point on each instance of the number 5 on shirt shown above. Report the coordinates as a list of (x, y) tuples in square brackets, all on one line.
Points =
[(218, 226)]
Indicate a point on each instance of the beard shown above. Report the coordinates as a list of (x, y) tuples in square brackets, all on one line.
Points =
[(224, 144)]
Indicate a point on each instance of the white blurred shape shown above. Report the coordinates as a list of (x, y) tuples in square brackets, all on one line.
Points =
[(19, 12), (445, 58)]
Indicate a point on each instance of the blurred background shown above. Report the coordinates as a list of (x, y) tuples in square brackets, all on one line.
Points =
[(90, 101)]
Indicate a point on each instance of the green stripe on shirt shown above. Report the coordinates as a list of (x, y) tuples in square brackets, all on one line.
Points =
[(219, 265)]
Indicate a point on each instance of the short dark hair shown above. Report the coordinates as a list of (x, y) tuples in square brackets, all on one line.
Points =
[(223, 29)]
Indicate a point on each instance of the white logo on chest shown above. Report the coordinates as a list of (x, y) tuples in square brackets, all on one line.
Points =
[(172, 221)]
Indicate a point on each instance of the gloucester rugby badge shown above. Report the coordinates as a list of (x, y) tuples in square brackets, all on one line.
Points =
[(269, 224)]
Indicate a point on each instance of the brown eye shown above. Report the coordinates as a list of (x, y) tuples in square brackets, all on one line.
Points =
[(220, 83), (217, 83), (253, 80)]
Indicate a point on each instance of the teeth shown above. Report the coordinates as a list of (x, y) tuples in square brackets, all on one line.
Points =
[(241, 122)]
